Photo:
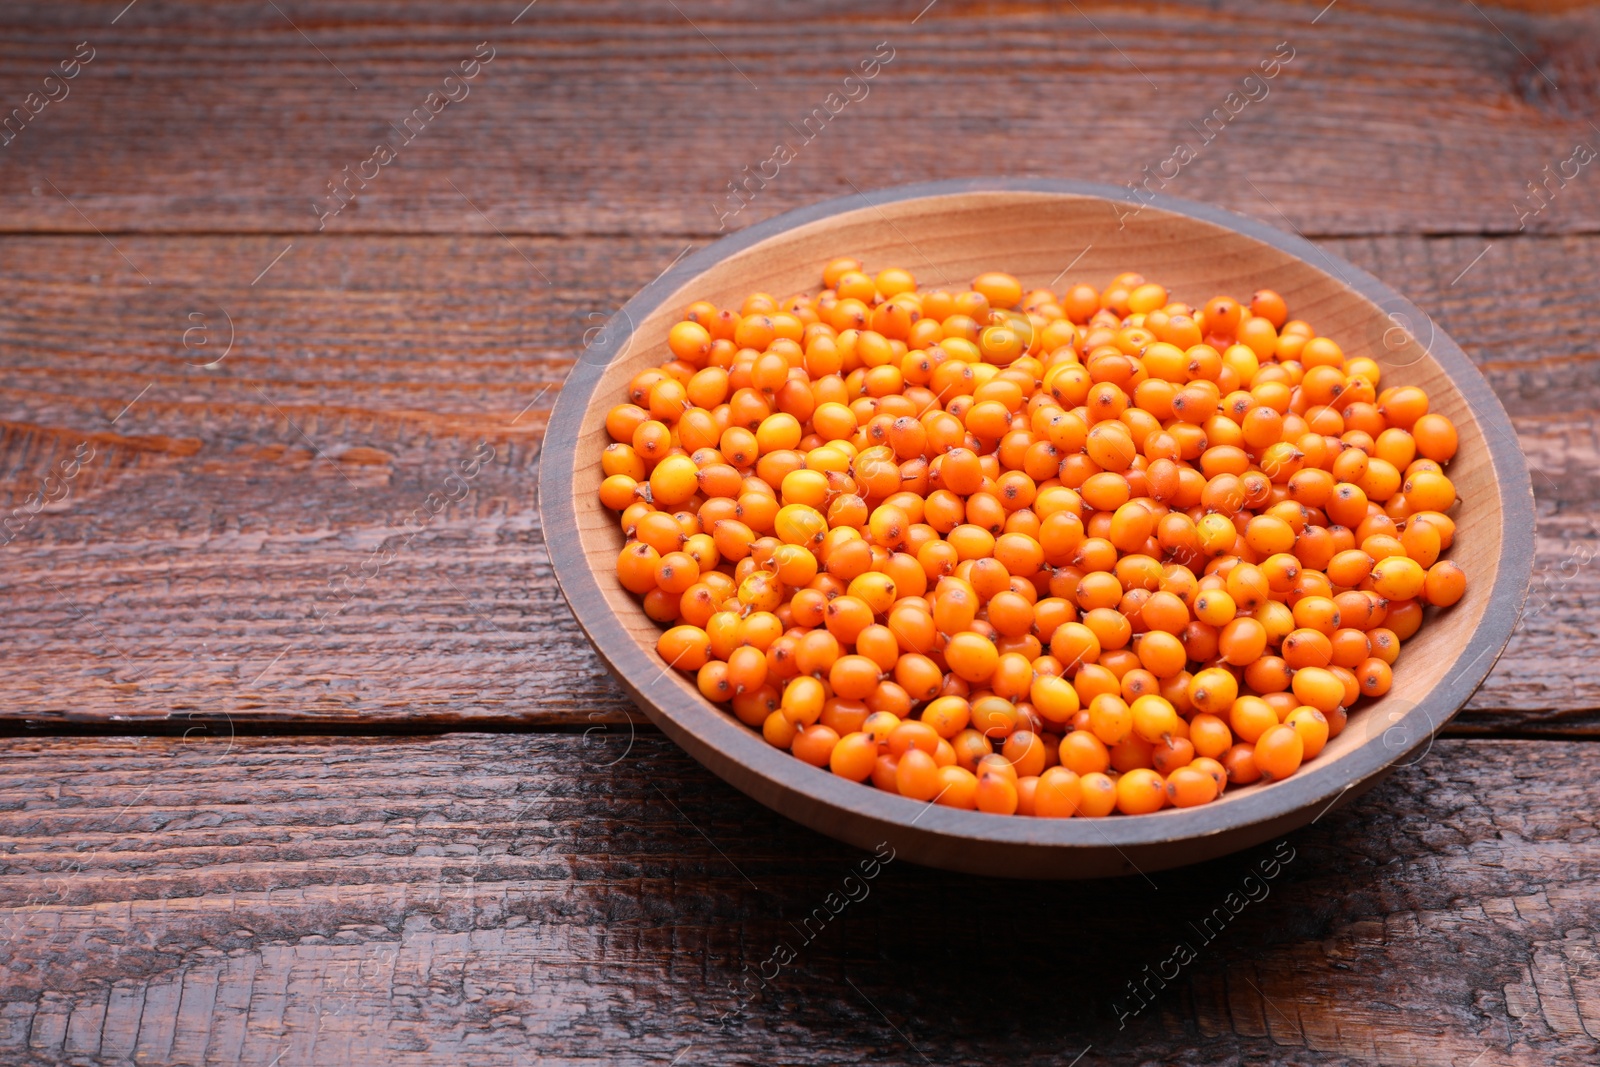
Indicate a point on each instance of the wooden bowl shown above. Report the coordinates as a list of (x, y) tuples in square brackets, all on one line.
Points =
[(1048, 233)]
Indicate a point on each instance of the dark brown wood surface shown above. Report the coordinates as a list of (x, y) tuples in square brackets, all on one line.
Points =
[(620, 118), (205, 897), (186, 570), (502, 899)]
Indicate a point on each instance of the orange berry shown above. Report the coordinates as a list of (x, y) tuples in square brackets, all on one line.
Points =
[(1312, 726), (1057, 794), (996, 793), (815, 745), (1279, 751), (1444, 585), (853, 757), (1188, 787), (1140, 791)]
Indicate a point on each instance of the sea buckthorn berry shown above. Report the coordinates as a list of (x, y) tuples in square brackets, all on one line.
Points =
[(747, 669), (761, 591), (1189, 787), (803, 700), (1319, 688), (1098, 795), (1110, 718), (1422, 543), (1016, 671), (1403, 405), (1214, 770), (1348, 679), (1435, 438), (1240, 764), (1268, 305), (1312, 726), (637, 567), (1110, 627), (1213, 690), (1026, 751), (1374, 676), (917, 775), (1250, 717), (1279, 751), (689, 341), (1140, 791), (798, 524), (1350, 567), (853, 757), (1403, 618), (958, 788), (996, 793), (1444, 585), (998, 289), (912, 735), (1025, 790), (876, 589), (1161, 653), (1153, 718), (1398, 578), (1170, 753), (1427, 490), (1209, 735), (970, 746), (1057, 794), (676, 572), (619, 491), (685, 647), (1306, 648), (842, 717), (846, 616), (1242, 641), (993, 716), (853, 677), (815, 745), (947, 715), (778, 731), (1215, 607), (1083, 752), (972, 656)]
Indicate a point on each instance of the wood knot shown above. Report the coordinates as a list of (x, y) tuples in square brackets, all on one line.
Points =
[(1559, 69)]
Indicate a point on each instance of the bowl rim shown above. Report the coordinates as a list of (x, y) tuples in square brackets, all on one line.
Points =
[(676, 714)]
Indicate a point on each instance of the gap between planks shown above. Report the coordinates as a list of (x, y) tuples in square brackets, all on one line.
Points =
[(1425, 233), (1580, 726)]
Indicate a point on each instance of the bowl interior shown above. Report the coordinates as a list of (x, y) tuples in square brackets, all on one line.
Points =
[(1050, 240)]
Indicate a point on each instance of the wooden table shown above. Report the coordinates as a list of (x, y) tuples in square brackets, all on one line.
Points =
[(272, 796)]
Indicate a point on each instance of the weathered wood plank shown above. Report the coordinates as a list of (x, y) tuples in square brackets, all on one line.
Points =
[(507, 899), (496, 899), (1425, 116), (345, 401), (184, 573)]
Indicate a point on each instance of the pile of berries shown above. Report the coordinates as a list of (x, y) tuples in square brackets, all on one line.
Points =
[(1041, 553)]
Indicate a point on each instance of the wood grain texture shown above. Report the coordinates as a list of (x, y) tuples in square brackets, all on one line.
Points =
[(500, 900), (201, 542), (1426, 116), (509, 899)]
